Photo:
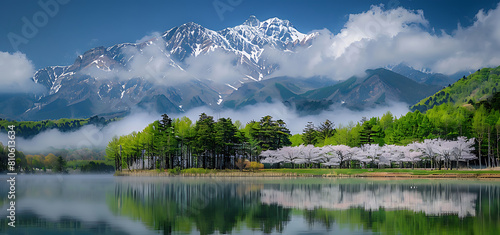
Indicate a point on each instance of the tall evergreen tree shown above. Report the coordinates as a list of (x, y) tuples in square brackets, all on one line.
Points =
[(310, 134), (204, 140), (270, 134), (326, 129), (225, 141)]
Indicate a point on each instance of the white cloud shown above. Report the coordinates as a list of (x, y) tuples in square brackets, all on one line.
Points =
[(217, 66), (153, 63), (378, 37), (16, 73), (376, 24)]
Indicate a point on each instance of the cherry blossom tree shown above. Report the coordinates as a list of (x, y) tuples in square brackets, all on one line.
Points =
[(428, 150), (391, 153), (463, 150), (310, 155), (331, 158), (270, 156), (290, 154), (340, 153), (444, 150), (437, 150), (370, 153), (411, 153)]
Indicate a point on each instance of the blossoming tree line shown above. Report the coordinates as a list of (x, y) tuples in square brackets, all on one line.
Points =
[(432, 153), (222, 144)]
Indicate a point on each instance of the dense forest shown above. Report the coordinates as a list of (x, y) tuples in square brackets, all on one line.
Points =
[(170, 143), (208, 143)]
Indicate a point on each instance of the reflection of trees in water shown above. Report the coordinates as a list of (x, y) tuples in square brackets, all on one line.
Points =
[(224, 206), (205, 206), (214, 206), (368, 206), (436, 199)]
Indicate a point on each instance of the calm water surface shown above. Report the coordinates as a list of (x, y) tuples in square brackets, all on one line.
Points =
[(103, 204)]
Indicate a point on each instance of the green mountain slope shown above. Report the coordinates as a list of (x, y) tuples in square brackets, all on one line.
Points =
[(377, 87), (279, 89), (473, 88), (325, 92)]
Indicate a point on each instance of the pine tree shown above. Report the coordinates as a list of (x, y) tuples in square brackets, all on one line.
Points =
[(225, 141), (204, 141), (326, 129), (310, 134)]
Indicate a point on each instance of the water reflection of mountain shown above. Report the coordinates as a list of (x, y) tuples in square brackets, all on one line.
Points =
[(435, 199)]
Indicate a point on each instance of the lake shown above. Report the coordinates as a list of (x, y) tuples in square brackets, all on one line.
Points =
[(103, 204)]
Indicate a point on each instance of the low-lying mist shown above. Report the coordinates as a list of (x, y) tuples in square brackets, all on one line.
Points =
[(89, 136), (94, 137)]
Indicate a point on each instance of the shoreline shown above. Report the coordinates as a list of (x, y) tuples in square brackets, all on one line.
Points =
[(477, 174)]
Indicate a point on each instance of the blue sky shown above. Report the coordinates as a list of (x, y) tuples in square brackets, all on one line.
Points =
[(81, 25)]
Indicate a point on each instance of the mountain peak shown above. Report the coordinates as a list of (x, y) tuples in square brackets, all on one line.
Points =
[(191, 25), (276, 21), (280, 29), (252, 21)]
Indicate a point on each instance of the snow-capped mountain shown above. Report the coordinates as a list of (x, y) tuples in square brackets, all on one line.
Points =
[(246, 41), (158, 73), (190, 66)]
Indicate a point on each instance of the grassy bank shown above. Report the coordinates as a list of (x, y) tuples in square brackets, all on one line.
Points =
[(403, 173)]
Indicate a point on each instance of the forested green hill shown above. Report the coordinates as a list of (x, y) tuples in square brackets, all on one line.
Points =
[(28, 129), (474, 88)]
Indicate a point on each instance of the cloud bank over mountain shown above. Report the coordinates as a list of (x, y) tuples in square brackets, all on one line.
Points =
[(379, 37)]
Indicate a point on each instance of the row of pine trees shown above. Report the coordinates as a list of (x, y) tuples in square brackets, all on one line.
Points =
[(178, 143)]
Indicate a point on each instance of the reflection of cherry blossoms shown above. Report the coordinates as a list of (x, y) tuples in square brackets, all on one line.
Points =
[(435, 151), (429, 199)]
